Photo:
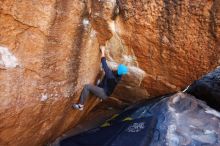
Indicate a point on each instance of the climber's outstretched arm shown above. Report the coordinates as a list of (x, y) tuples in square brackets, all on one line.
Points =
[(108, 71)]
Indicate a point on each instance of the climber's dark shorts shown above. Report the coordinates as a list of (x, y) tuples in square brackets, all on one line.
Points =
[(89, 88)]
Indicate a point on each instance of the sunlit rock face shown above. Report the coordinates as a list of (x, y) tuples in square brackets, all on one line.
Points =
[(49, 50), (174, 42), (47, 53)]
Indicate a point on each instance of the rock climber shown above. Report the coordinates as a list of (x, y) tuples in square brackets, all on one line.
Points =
[(106, 86)]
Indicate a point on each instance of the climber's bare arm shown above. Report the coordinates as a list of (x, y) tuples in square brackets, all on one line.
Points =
[(108, 71), (103, 51)]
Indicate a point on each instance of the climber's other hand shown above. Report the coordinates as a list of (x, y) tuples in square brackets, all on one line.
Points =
[(102, 48)]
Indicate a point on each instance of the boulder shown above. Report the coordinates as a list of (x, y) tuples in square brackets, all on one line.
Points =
[(49, 49)]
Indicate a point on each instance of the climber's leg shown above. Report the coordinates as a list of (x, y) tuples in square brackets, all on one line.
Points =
[(97, 91)]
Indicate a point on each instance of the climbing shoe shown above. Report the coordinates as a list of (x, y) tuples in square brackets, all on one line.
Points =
[(78, 106)]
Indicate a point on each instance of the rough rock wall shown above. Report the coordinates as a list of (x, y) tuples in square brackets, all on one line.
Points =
[(49, 50), (174, 42), (47, 54)]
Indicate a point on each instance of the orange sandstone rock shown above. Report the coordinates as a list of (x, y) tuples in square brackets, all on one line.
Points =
[(49, 50)]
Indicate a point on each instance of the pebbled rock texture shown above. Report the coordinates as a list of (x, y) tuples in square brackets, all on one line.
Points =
[(49, 49)]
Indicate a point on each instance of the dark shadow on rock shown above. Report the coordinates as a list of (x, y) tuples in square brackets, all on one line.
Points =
[(208, 89)]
